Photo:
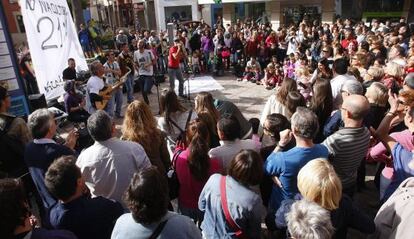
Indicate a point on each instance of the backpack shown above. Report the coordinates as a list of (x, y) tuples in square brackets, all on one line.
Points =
[(11, 151)]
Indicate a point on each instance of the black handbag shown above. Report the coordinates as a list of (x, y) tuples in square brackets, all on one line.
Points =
[(173, 183)]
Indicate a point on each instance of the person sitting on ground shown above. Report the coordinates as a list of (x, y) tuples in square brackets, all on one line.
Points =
[(243, 203), (108, 165), (76, 211), (75, 104), (284, 166), (193, 168), (42, 151), (16, 218), (272, 77), (229, 131), (348, 146), (147, 199), (140, 126), (309, 220)]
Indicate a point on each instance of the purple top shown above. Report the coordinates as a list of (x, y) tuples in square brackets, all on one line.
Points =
[(207, 44)]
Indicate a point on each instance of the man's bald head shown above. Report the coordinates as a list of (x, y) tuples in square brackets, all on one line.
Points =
[(357, 106)]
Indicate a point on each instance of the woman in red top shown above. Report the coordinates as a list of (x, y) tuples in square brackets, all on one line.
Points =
[(194, 167), (272, 38)]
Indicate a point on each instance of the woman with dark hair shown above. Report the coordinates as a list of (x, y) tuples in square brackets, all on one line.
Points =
[(243, 204), (321, 104), (277, 102), (140, 126), (16, 221), (207, 119), (323, 70), (147, 199), (294, 100), (173, 117), (194, 167)]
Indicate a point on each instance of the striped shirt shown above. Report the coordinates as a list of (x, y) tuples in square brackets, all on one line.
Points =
[(347, 147)]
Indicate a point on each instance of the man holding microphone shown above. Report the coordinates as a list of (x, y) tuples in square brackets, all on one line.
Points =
[(175, 55)]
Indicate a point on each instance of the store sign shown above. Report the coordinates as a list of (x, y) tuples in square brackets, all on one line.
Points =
[(52, 39)]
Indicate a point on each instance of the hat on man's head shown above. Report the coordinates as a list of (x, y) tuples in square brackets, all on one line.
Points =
[(409, 80)]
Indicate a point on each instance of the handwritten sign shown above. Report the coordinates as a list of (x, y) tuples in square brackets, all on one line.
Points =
[(52, 39)]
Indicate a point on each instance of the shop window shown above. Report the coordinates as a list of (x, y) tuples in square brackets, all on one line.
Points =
[(384, 5), (180, 13)]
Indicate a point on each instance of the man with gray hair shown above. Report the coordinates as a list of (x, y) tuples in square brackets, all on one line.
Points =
[(42, 151), (109, 164), (349, 145), (95, 85), (284, 166), (309, 220), (350, 87)]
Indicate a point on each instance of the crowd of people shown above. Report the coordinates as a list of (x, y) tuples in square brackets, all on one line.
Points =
[(343, 99)]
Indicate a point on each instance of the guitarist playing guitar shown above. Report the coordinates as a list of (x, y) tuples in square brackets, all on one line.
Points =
[(99, 93)]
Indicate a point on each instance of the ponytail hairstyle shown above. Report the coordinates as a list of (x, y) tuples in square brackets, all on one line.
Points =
[(198, 159)]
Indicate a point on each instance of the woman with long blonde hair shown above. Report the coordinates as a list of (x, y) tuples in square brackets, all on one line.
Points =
[(204, 102), (140, 126)]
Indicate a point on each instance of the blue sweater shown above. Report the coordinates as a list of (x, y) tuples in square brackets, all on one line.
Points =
[(286, 166)]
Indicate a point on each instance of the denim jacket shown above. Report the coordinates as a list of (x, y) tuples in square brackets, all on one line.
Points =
[(245, 208)]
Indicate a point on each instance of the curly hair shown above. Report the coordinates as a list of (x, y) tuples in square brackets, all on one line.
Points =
[(140, 126), (147, 196), (13, 206)]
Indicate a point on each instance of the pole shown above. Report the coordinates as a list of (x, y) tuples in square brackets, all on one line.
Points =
[(146, 14)]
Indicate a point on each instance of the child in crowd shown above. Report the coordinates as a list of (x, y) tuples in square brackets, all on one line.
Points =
[(271, 78), (250, 74), (304, 82), (289, 67), (273, 50), (195, 62), (238, 68), (263, 54)]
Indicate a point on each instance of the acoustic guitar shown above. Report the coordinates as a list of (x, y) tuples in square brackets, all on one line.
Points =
[(108, 90)]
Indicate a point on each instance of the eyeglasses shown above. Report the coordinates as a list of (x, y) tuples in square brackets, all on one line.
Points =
[(401, 102)]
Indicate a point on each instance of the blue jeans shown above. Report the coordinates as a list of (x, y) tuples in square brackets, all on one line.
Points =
[(145, 83), (116, 100), (176, 74), (129, 86)]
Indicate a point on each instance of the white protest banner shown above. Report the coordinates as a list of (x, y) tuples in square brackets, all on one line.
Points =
[(52, 39)]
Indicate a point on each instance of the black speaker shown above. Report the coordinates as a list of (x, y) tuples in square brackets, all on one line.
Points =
[(37, 101)]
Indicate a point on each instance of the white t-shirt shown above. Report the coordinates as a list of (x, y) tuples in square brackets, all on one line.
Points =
[(142, 59), (110, 77), (95, 84)]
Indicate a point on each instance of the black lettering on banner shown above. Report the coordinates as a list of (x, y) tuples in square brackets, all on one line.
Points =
[(53, 84), (30, 4), (45, 47)]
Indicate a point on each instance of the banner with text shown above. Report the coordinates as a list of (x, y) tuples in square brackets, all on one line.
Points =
[(52, 39)]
